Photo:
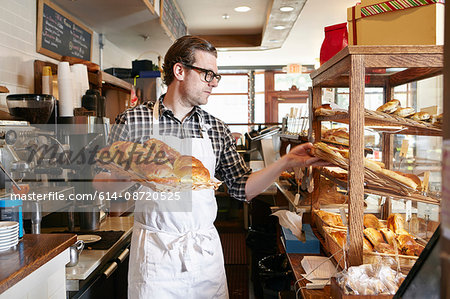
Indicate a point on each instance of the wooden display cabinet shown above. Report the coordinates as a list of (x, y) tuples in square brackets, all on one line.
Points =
[(356, 67)]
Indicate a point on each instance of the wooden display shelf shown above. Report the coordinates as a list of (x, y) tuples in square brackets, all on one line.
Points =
[(373, 118), (357, 67), (109, 81), (384, 192)]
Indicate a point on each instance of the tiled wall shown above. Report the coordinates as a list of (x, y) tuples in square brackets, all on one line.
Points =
[(18, 48)]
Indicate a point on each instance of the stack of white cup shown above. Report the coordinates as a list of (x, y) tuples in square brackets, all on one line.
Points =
[(80, 82), (65, 89)]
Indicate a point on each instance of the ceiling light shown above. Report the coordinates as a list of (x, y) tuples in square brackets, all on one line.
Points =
[(225, 16), (242, 8), (279, 27), (286, 8)]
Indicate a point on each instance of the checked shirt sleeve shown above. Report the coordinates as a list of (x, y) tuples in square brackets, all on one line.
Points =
[(232, 168), (119, 130)]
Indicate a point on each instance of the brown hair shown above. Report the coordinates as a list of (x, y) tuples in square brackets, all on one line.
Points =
[(183, 51)]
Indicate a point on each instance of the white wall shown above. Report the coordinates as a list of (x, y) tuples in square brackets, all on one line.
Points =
[(18, 48)]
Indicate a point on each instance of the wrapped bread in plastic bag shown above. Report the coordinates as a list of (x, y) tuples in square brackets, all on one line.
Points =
[(371, 279)]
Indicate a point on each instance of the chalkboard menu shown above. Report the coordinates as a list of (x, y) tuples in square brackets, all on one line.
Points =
[(59, 34), (171, 19)]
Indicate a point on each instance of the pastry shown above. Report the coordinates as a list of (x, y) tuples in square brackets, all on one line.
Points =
[(339, 237), (437, 119), (404, 112), (421, 116), (395, 223), (372, 221), (389, 107), (408, 246), (367, 246), (388, 235), (374, 236), (332, 219), (319, 109), (384, 248)]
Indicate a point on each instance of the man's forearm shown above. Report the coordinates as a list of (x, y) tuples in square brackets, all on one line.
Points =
[(260, 180)]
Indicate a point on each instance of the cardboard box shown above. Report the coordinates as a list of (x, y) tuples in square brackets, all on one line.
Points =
[(423, 25), (294, 245)]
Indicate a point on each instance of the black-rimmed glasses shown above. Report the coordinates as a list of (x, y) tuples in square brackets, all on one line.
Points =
[(209, 75)]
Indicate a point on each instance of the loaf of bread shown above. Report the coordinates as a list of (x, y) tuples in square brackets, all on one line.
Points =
[(374, 236), (404, 112), (421, 116), (389, 107), (156, 161), (395, 223), (371, 221)]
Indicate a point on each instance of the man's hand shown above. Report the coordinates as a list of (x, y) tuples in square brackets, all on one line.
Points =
[(300, 156)]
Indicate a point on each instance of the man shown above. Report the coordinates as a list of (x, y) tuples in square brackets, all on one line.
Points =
[(178, 254)]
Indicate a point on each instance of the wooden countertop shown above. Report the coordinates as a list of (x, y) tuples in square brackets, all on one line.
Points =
[(32, 252), (295, 261)]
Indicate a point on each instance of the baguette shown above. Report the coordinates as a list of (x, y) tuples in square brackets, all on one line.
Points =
[(389, 107), (413, 177), (399, 178)]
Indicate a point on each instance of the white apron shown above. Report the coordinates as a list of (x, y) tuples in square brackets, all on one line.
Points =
[(177, 254)]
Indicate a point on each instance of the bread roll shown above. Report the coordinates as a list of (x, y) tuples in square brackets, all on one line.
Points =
[(404, 112), (388, 235), (389, 107), (189, 169), (160, 150), (395, 223), (399, 178), (371, 221), (421, 116), (374, 236), (158, 173)]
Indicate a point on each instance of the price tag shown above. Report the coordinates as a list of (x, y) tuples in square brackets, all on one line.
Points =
[(426, 181), (408, 210), (296, 199), (404, 148)]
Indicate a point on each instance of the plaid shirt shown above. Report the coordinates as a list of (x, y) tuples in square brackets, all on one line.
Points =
[(136, 126)]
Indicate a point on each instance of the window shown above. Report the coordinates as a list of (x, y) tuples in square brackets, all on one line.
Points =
[(229, 101), (285, 81)]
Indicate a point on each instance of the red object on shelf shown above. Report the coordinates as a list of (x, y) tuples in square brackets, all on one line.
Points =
[(336, 39)]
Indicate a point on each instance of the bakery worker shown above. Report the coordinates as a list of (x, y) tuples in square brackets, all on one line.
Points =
[(177, 254)]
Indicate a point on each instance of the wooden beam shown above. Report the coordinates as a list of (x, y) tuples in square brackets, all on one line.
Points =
[(356, 168), (238, 40), (413, 74)]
